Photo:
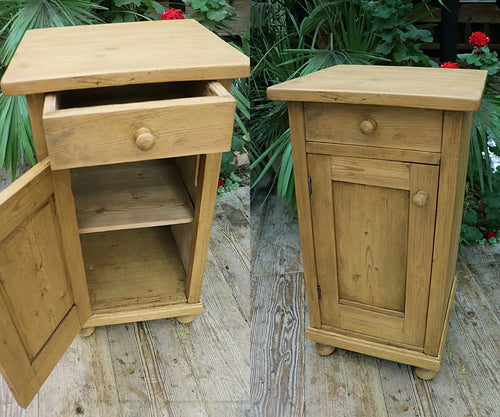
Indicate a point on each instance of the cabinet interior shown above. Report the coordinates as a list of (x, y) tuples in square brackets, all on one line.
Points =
[(135, 223)]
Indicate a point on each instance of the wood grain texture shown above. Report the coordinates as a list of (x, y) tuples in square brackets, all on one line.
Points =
[(348, 383), (68, 233), (402, 155), (132, 269), (420, 247), (395, 127), (370, 172), (158, 367), (371, 226), (202, 223), (301, 175), (35, 109), (79, 57), (325, 249), (230, 239), (453, 170), (33, 280), (277, 340), (126, 196), (427, 88), (99, 135), (39, 273)]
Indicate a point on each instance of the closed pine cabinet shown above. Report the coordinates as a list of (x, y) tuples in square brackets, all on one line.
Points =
[(380, 157)]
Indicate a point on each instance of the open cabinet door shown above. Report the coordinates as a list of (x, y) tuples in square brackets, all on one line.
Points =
[(43, 292)]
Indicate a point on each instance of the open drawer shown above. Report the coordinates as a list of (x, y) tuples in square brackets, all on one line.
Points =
[(139, 122)]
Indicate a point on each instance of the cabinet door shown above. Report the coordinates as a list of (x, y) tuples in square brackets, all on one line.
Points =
[(43, 295), (373, 225)]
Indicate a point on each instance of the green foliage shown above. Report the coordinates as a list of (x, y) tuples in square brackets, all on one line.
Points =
[(482, 58), (117, 11), (481, 213), (16, 18), (485, 134), (213, 14), (285, 47), (241, 136), (230, 183), (394, 24)]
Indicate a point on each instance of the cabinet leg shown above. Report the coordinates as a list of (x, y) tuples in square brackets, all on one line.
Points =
[(425, 374), (185, 319), (87, 332), (324, 350)]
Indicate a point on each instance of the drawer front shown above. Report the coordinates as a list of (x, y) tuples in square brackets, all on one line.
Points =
[(135, 131), (375, 126)]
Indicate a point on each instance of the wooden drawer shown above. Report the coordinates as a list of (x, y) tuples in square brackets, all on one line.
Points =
[(140, 122), (374, 126)]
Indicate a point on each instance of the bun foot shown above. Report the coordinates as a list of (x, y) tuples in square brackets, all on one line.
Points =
[(425, 374), (324, 350), (88, 331), (185, 319)]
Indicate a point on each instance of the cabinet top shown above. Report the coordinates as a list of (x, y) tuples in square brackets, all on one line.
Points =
[(428, 88), (77, 57)]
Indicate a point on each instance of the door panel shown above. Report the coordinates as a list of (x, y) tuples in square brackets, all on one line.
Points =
[(29, 254), (373, 244), (39, 277)]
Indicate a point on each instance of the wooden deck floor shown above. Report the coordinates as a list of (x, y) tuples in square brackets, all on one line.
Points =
[(288, 378), (164, 368)]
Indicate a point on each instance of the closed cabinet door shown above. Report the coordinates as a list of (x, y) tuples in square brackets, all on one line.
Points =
[(373, 225)]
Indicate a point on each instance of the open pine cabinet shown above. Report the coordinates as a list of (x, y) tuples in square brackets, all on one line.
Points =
[(112, 224)]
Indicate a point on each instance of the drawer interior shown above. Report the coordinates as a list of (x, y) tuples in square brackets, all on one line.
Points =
[(132, 94)]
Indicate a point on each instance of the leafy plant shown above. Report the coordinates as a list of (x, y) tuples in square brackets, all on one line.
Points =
[(285, 47), (116, 11), (481, 218), (17, 17), (212, 14), (394, 23), (241, 135), (231, 182)]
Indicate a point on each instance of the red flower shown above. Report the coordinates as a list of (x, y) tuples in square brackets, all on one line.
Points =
[(221, 183), (172, 14), (491, 235), (478, 39), (449, 65)]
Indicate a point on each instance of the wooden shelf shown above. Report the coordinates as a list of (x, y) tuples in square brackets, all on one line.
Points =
[(128, 196), (133, 269)]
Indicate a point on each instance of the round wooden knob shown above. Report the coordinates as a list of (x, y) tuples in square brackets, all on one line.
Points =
[(420, 199), (368, 126), (144, 139)]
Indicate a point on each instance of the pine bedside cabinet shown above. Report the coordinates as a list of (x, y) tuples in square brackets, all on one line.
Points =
[(380, 158), (113, 223)]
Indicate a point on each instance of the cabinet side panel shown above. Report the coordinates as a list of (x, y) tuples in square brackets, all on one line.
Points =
[(202, 223), (297, 133), (453, 171)]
